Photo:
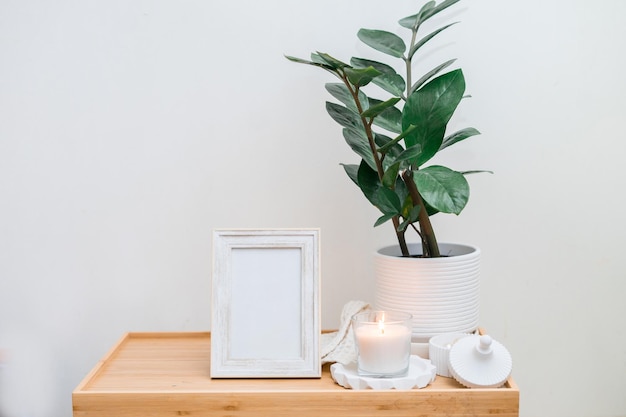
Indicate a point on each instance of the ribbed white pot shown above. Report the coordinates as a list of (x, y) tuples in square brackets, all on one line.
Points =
[(442, 293)]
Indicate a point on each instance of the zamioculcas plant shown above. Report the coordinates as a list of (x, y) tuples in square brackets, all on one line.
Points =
[(393, 173)]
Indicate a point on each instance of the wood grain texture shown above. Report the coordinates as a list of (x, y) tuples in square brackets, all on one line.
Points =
[(168, 374)]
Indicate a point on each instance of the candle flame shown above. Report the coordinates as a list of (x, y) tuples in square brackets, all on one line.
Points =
[(381, 324)]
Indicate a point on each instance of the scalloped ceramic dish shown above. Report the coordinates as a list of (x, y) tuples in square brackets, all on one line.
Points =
[(421, 373)]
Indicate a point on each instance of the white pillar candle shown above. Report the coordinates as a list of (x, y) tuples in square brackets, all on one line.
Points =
[(383, 348)]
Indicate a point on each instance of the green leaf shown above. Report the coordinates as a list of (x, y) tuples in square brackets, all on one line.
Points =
[(427, 11), (304, 61), (344, 116), (322, 58), (414, 214), (361, 76), (352, 171), (430, 74), (389, 80), (409, 153), (368, 182), (410, 215), (427, 38), (379, 108), (413, 22), (389, 119), (442, 188), (383, 219), (391, 150), (357, 140), (391, 201), (391, 175), (391, 83), (458, 136), (364, 63), (440, 7), (397, 139), (385, 42), (386, 200), (429, 109), (341, 93), (322, 64), (479, 171), (402, 226)]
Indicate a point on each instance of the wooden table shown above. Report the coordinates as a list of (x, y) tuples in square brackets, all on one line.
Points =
[(167, 374)]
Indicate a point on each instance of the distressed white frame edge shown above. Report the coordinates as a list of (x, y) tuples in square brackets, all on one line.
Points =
[(309, 365)]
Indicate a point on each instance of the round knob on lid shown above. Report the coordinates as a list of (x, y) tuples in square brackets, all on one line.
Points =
[(484, 346)]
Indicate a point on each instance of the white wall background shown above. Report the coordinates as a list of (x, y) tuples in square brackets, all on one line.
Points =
[(129, 129)]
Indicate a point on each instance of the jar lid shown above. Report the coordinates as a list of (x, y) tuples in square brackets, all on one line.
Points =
[(480, 362)]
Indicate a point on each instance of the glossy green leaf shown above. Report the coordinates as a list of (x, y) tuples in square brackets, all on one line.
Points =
[(389, 80), (403, 226), (326, 59), (357, 140), (391, 151), (427, 11), (352, 171), (414, 214), (304, 61), (413, 22), (458, 137), (403, 192), (341, 93), (439, 8), (476, 171), (430, 74), (385, 42), (386, 200), (391, 175), (442, 188), (410, 216), (379, 108), (344, 116), (429, 109), (322, 65), (409, 153), (368, 182), (391, 200), (383, 219), (383, 141), (364, 63), (427, 38), (389, 119), (361, 76), (391, 83), (397, 139)]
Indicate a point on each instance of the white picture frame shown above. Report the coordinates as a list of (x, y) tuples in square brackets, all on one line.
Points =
[(265, 320)]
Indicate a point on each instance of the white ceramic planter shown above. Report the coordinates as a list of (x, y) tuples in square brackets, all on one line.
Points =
[(442, 293)]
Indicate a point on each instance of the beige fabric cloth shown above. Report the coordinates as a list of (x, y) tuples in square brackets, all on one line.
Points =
[(339, 346)]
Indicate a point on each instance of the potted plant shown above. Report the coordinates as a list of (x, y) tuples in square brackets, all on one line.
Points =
[(393, 173)]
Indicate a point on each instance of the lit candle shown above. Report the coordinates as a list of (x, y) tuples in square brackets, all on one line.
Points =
[(383, 343)]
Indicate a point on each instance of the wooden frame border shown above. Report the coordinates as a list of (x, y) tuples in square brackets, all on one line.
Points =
[(265, 304)]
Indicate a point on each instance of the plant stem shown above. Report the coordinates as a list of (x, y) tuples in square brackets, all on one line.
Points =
[(404, 249), (430, 247), (366, 126), (378, 160)]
